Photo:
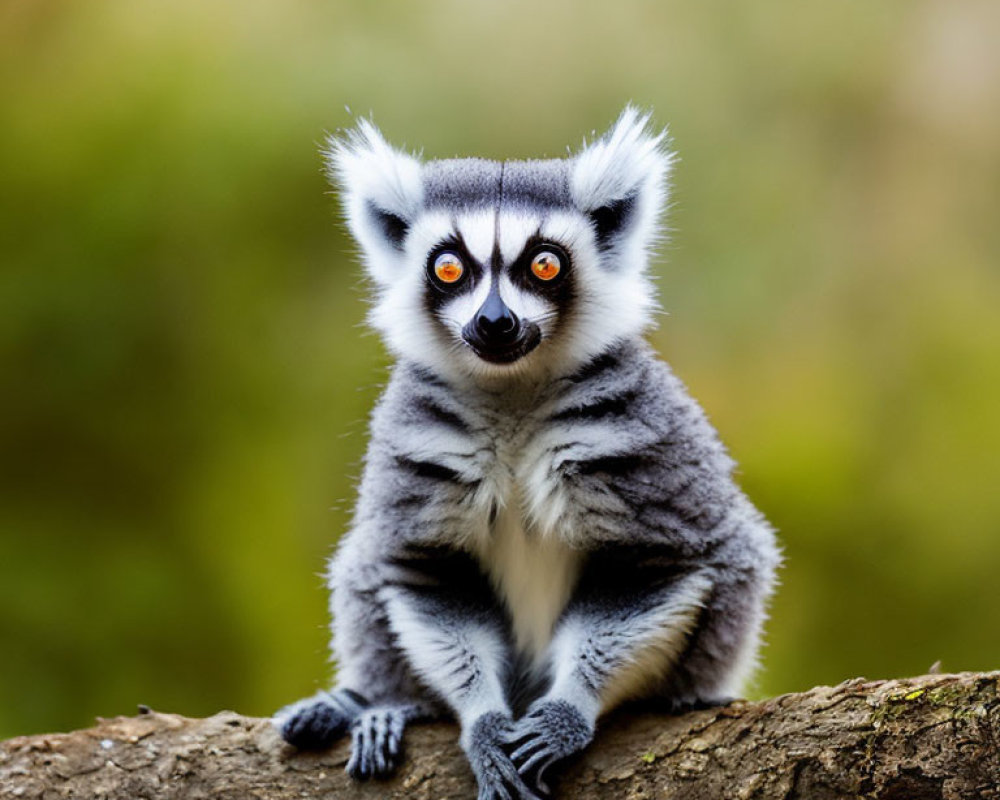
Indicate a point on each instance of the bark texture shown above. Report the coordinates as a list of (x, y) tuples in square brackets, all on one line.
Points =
[(935, 737)]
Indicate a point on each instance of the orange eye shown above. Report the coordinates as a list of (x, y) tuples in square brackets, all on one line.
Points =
[(448, 268), (545, 265)]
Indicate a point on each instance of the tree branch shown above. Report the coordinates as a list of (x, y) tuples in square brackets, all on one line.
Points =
[(935, 737)]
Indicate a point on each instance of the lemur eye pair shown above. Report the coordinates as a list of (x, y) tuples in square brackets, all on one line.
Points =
[(448, 268)]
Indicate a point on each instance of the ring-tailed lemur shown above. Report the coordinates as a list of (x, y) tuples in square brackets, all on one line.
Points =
[(547, 525)]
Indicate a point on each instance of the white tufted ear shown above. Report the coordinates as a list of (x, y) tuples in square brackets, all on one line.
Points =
[(619, 181), (382, 192)]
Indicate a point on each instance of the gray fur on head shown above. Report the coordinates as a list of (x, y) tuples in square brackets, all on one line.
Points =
[(547, 525)]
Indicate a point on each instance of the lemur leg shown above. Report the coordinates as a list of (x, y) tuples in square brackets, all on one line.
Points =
[(453, 631), (318, 721), (373, 681), (721, 652), (618, 638)]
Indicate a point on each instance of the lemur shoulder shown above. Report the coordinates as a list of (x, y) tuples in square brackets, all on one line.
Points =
[(547, 525)]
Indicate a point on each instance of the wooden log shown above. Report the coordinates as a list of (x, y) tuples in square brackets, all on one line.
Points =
[(935, 737)]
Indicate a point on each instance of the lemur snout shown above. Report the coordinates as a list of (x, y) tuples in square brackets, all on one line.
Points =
[(496, 334), (496, 323)]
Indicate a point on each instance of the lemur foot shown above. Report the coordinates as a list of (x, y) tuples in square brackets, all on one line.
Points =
[(376, 742), (495, 772), (318, 721), (551, 731)]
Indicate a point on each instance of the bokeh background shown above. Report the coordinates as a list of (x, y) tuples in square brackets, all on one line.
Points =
[(186, 376)]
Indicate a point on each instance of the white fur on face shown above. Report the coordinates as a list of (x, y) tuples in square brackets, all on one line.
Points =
[(459, 312), (514, 228), (609, 306), (613, 296), (482, 233), (526, 304), (477, 231)]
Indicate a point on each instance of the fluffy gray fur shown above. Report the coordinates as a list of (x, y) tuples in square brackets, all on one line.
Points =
[(539, 540)]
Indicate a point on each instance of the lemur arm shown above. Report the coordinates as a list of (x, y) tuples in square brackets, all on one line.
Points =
[(452, 630), (626, 626)]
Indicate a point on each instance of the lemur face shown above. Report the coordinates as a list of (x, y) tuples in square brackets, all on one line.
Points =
[(499, 266), (486, 268)]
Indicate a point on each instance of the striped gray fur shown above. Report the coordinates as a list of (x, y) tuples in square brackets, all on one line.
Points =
[(645, 471), (546, 528)]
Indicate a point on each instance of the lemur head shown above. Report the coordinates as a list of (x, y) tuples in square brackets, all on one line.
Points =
[(487, 268)]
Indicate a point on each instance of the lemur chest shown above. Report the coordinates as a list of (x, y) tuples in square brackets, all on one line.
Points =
[(533, 575), (525, 551)]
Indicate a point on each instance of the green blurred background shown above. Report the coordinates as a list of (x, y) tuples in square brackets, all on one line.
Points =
[(186, 379)]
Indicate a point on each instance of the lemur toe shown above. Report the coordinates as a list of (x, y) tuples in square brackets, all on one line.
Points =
[(376, 743), (317, 722)]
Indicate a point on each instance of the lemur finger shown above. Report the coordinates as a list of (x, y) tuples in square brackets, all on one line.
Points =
[(382, 733), (359, 765), (540, 761), (518, 789), (394, 745), (534, 770), (529, 748), (397, 724), (524, 732), (381, 763), (493, 791), (353, 767), (503, 779)]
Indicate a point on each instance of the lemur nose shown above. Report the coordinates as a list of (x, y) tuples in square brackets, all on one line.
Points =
[(496, 322)]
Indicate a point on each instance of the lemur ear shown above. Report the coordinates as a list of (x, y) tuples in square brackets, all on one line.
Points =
[(381, 188), (619, 181)]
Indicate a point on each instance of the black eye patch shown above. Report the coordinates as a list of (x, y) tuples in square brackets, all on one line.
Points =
[(439, 291), (559, 289)]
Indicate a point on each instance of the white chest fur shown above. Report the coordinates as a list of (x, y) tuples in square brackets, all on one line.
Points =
[(533, 574)]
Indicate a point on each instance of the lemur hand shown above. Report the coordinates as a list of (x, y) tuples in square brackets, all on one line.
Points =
[(485, 746), (551, 731)]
